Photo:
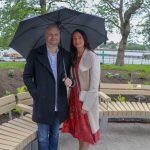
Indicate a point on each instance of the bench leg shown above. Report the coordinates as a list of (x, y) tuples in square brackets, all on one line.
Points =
[(34, 145), (103, 124), (31, 146), (10, 115), (22, 113), (28, 147)]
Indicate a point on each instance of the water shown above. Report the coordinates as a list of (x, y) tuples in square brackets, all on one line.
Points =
[(131, 57)]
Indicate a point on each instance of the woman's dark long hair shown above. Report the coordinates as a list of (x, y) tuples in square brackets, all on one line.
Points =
[(73, 50)]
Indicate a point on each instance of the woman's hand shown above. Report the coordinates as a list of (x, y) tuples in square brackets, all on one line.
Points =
[(67, 82), (84, 111)]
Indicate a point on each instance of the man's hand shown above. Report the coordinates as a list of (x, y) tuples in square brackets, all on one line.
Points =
[(67, 82)]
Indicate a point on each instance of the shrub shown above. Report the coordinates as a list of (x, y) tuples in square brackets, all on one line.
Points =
[(120, 99), (124, 76), (22, 89), (7, 93), (17, 110), (11, 73), (142, 75), (109, 75)]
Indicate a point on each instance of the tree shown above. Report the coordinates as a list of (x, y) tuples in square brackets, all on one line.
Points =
[(14, 11), (119, 13), (11, 14), (78, 5), (146, 25)]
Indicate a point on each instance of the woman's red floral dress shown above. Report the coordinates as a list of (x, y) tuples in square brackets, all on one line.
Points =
[(78, 124)]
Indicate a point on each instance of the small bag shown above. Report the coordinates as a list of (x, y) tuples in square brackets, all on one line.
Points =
[(82, 94)]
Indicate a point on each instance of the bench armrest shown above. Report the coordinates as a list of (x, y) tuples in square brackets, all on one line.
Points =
[(104, 97), (25, 108)]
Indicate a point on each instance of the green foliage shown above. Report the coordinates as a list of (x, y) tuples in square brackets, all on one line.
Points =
[(135, 46), (17, 110), (109, 75), (110, 45), (11, 73), (15, 11), (120, 99), (146, 26), (143, 75), (22, 89), (7, 93), (11, 14), (111, 14), (147, 83), (118, 16), (78, 5), (129, 82), (124, 76)]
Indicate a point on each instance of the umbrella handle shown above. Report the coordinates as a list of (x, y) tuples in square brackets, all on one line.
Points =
[(64, 68)]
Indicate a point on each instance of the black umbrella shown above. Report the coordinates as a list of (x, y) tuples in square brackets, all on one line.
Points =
[(30, 33)]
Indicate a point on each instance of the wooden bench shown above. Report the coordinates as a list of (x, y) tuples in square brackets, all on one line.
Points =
[(18, 133), (24, 100), (116, 109), (7, 104)]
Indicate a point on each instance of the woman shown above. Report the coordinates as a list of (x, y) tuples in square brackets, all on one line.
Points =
[(83, 121)]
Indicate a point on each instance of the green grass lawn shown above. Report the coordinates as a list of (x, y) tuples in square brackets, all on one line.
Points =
[(12, 65), (130, 68)]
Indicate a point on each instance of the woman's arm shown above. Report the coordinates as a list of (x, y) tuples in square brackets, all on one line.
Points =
[(92, 93)]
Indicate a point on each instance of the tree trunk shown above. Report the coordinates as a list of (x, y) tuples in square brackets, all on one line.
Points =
[(121, 51), (125, 30)]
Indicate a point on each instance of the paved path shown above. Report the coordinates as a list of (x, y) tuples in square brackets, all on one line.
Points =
[(119, 136)]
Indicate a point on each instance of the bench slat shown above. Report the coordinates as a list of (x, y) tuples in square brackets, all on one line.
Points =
[(7, 99), (122, 108), (7, 147), (113, 108), (23, 95), (148, 104), (109, 109), (125, 92), (103, 111), (7, 108), (25, 122), (133, 111), (120, 111), (3, 132), (128, 110), (141, 108), (134, 104), (9, 143), (10, 138), (16, 127), (147, 110), (27, 119), (21, 125), (13, 130)]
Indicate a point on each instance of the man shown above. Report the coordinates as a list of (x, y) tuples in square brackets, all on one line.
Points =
[(43, 75)]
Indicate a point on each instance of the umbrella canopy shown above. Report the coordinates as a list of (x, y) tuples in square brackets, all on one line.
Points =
[(30, 32)]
